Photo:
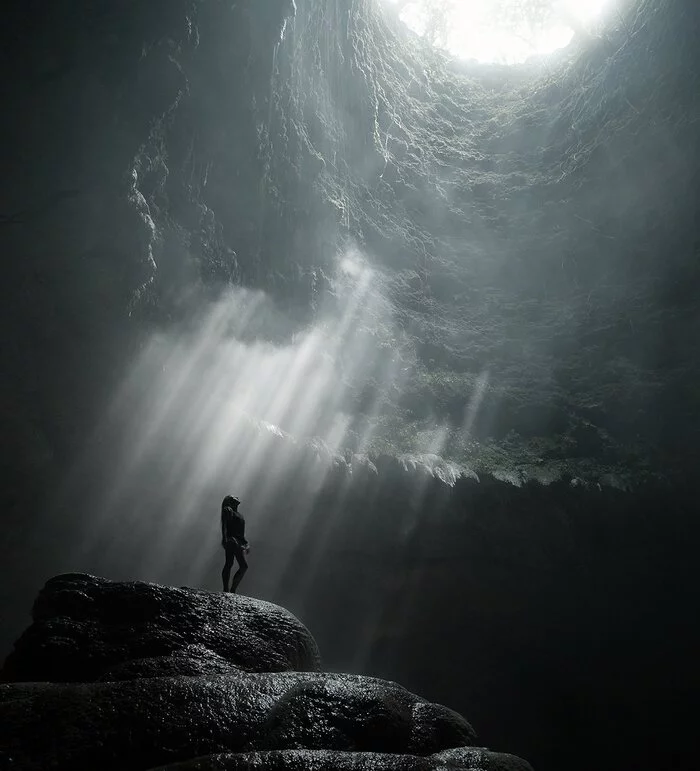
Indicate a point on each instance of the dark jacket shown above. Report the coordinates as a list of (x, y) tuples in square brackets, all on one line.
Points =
[(232, 526)]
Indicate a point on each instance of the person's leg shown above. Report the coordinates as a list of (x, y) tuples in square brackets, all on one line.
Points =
[(242, 567), (226, 572)]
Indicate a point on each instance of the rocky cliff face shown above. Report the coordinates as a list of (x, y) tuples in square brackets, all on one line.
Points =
[(134, 675)]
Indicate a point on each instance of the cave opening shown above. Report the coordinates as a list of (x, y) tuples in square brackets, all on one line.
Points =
[(431, 311), (505, 31)]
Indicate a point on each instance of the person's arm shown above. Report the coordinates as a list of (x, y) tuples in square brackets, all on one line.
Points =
[(244, 540), (223, 527)]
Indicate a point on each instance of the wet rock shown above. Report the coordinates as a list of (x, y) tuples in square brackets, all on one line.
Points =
[(86, 627), (142, 675), (192, 661), (147, 722), (355, 713), (327, 760)]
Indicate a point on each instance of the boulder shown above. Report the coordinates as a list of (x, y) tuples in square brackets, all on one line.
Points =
[(138, 724), (87, 627), (136, 676)]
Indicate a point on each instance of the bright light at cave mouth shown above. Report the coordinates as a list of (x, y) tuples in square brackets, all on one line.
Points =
[(501, 31)]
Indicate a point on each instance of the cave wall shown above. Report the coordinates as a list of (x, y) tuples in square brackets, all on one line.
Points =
[(103, 220), (155, 154), (549, 195)]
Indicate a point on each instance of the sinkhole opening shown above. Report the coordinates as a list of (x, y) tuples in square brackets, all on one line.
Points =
[(502, 31)]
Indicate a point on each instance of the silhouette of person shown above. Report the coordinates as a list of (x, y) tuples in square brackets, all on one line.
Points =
[(234, 542)]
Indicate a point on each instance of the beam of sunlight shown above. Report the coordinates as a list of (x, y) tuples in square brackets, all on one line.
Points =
[(472, 408), (214, 407)]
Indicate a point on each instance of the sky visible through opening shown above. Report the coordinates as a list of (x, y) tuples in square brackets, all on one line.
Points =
[(501, 31)]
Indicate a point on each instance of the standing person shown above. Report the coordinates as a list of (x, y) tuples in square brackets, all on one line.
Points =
[(234, 542)]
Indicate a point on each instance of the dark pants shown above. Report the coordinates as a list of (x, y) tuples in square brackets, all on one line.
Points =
[(233, 551)]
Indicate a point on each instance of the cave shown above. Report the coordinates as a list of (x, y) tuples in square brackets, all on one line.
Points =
[(433, 319)]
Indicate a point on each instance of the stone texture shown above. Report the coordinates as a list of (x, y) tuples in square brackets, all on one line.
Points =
[(191, 661), (151, 721), (228, 702), (86, 628)]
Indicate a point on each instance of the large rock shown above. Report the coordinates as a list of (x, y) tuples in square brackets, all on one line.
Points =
[(87, 628), (235, 695), (142, 723)]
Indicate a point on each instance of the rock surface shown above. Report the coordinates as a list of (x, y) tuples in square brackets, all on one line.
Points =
[(87, 628), (141, 723), (234, 700), (468, 759)]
